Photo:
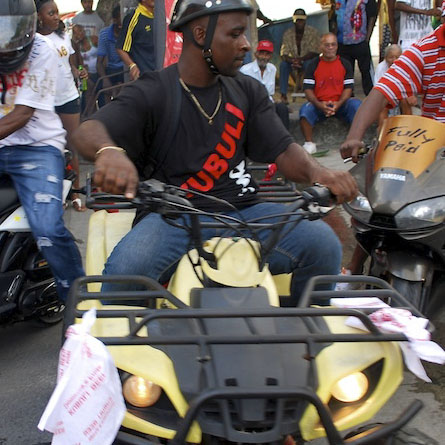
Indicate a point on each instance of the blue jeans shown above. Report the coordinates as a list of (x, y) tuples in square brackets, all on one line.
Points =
[(346, 112), (285, 70), (153, 248), (37, 173)]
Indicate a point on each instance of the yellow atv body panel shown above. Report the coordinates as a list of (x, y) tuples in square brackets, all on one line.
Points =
[(342, 359), (236, 257), (105, 231), (149, 363)]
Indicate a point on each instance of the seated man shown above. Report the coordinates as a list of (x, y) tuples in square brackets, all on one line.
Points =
[(328, 84), (265, 72), (300, 44)]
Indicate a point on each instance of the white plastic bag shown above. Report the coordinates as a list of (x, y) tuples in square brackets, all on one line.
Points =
[(87, 406), (419, 347)]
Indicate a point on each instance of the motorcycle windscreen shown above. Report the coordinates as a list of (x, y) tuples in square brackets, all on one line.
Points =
[(409, 143)]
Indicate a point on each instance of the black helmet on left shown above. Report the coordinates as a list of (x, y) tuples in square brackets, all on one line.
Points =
[(18, 22)]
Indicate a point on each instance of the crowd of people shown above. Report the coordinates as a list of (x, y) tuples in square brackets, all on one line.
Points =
[(225, 117)]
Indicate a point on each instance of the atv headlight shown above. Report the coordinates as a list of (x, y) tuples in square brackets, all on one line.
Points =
[(351, 388), (422, 214), (140, 392), (359, 208)]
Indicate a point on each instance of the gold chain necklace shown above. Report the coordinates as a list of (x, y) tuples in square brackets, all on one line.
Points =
[(198, 105)]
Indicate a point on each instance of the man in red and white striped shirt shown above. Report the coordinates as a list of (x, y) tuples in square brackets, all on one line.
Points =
[(420, 70)]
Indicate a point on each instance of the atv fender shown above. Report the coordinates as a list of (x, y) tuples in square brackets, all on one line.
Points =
[(409, 266)]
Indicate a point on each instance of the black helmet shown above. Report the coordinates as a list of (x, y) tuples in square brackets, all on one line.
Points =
[(18, 21), (187, 10)]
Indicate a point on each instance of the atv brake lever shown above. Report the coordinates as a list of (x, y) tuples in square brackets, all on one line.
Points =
[(319, 195)]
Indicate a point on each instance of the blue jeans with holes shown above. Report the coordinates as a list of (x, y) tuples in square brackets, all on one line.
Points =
[(153, 248), (37, 173)]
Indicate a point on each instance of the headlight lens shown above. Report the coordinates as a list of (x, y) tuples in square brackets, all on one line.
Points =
[(140, 392), (360, 208), (351, 388), (422, 214)]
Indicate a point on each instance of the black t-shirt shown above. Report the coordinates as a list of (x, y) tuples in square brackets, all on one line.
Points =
[(206, 158)]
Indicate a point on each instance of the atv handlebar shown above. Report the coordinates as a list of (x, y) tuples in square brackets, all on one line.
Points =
[(165, 199), (171, 202)]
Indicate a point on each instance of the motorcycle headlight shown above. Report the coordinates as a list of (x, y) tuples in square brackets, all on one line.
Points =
[(422, 214), (359, 208), (351, 388), (140, 392)]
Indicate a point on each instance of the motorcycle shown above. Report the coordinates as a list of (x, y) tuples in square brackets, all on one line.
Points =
[(27, 287), (213, 359), (399, 216)]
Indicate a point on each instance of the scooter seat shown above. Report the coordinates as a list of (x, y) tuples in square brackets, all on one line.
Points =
[(8, 194)]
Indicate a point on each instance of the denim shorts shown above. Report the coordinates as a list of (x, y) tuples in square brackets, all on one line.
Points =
[(71, 107), (346, 112)]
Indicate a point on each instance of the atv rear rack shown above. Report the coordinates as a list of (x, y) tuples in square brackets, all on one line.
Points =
[(139, 319)]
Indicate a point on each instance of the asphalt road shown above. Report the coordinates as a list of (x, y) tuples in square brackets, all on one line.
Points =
[(29, 355)]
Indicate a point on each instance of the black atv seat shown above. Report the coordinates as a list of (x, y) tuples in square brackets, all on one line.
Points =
[(8, 195), (229, 297)]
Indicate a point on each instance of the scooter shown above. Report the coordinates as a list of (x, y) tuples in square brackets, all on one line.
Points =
[(27, 287), (399, 216), (213, 359)]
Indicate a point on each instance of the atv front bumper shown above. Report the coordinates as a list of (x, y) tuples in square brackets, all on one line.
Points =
[(369, 437)]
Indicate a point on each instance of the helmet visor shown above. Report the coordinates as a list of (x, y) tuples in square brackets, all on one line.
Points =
[(16, 31)]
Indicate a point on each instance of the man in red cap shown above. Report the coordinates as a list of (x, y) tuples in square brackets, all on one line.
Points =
[(262, 70)]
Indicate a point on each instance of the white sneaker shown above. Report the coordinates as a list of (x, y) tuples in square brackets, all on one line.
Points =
[(310, 147)]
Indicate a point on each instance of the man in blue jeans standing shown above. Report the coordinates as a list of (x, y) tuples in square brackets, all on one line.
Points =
[(32, 138), (328, 85)]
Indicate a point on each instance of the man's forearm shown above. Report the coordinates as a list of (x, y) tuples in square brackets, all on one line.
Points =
[(370, 29), (400, 6), (15, 120), (296, 164), (287, 58), (125, 57), (367, 114), (312, 98), (345, 95), (100, 66), (309, 56), (90, 137)]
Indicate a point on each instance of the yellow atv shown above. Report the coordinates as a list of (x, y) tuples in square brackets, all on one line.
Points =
[(213, 359)]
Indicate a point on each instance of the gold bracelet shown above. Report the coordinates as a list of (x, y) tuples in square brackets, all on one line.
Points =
[(108, 147), (130, 67)]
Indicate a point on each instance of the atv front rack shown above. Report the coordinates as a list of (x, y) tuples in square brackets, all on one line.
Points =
[(139, 321)]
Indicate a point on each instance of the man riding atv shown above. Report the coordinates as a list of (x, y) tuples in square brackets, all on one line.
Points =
[(193, 125)]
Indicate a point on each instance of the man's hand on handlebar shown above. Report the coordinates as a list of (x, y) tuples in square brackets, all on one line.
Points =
[(351, 149), (340, 183), (115, 173)]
